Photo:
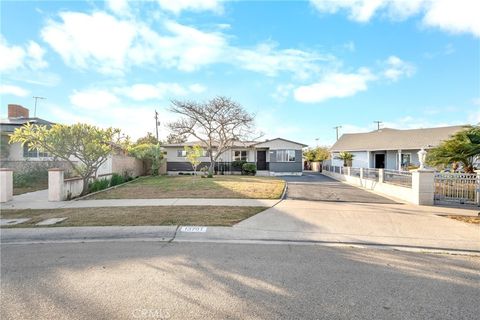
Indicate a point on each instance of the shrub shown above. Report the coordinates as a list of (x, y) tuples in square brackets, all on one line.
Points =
[(98, 185), (210, 175), (249, 169), (238, 164), (116, 180)]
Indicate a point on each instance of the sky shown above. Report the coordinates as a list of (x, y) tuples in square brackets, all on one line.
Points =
[(302, 67)]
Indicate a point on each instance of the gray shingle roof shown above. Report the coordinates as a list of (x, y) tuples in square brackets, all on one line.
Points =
[(393, 139)]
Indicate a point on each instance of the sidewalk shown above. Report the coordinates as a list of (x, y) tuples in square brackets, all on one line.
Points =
[(291, 221), (39, 200)]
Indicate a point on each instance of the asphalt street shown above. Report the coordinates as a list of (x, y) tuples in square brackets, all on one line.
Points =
[(159, 280)]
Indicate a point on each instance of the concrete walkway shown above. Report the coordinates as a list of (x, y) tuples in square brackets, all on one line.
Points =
[(39, 200), (398, 226)]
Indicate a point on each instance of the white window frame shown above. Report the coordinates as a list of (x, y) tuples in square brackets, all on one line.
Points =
[(285, 155), (240, 157), (181, 153), (34, 153), (409, 159)]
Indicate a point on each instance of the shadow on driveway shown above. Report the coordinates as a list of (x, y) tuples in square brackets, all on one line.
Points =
[(317, 187)]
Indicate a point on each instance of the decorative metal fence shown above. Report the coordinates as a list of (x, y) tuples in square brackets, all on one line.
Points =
[(370, 173), (461, 188), (399, 178)]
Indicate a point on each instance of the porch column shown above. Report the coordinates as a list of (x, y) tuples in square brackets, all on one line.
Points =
[(6, 184), (368, 160), (399, 160)]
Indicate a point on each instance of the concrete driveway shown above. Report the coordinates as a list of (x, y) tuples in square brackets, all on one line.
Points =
[(317, 187)]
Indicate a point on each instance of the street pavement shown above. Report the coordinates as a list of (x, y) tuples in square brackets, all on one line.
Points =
[(154, 280), (317, 187)]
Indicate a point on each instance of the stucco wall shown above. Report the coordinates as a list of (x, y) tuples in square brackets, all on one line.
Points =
[(124, 164)]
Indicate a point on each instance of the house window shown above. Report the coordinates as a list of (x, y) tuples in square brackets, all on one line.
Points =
[(34, 153), (240, 155), (286, 156), (406, 159), (181, 153)]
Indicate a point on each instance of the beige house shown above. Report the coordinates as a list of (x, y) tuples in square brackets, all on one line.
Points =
[(389, 148)]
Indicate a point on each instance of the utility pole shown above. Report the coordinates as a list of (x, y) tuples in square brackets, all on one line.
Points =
[(36, 99), (157, 123), (316, 139), (378, 124), (336, 128)]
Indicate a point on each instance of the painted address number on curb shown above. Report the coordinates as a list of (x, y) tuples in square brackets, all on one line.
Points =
[(193, 229)]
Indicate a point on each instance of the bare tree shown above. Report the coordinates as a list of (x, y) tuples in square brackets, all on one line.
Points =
[(218, 124)]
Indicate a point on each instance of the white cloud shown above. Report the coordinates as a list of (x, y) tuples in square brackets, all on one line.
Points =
[(20, 57), (84, 40), (457, 16), (161, 90), (266, 59), (335, 85), (396, 68), (110, 44), (177, 6), (93, 99), (119, 7), (6, 89), (282, 92)]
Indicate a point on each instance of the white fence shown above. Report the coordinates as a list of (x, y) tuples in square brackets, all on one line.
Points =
[(415, 187), (462, 188)]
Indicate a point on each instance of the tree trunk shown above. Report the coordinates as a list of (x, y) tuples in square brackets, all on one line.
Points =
[(211, 168), (85, 185)]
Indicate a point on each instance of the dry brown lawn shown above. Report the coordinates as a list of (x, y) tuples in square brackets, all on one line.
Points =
[(136, 216), (468, 219), (244, 187)]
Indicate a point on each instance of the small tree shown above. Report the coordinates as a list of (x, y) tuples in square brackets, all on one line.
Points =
[(347, 158), (148, 139), (148, 152), (316, 154), (193, 155), (218, 124), (87, 144), (463, 147)]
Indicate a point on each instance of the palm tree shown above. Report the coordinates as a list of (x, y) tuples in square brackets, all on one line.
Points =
[(463, 147), (347, 158)]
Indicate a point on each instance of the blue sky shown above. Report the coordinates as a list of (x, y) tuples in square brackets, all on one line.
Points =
[(302, 67)]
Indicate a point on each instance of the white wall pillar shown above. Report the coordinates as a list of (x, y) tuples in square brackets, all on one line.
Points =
[(423, 187), (361, 173), (381, 175), (6, 184), (399, 160), (349, 171), (55, 184)]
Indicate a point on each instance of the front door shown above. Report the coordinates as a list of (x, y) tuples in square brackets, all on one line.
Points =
[(261, 160), (379, 161)]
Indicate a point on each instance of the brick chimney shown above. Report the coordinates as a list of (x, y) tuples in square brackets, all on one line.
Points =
[(17, 111)]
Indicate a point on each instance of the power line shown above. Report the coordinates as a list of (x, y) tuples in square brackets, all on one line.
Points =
[(36, 99)]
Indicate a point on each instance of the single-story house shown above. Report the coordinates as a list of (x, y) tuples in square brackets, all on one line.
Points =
[(389, 148), (18, 116), (272, 157)]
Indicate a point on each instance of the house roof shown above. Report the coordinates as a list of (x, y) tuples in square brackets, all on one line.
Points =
[(10, 124), (394, 139), (266, 141), (237, 144)]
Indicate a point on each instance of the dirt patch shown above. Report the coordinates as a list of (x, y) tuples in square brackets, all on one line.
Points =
[(467, 219)]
